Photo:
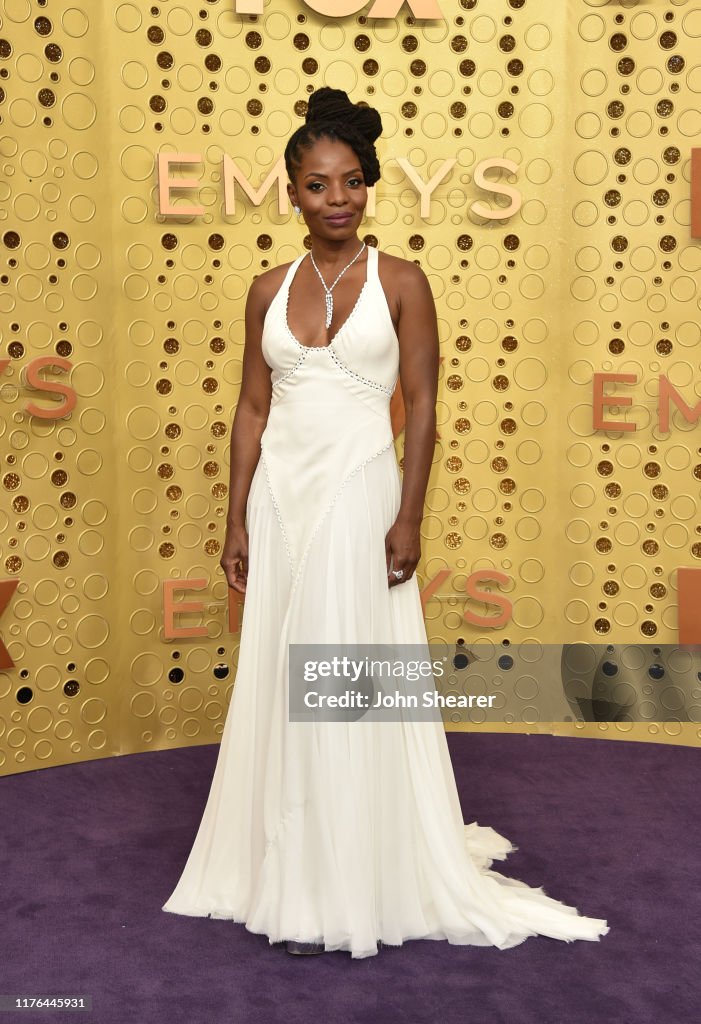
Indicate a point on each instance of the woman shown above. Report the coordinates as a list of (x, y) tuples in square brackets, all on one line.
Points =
[(340, 835)]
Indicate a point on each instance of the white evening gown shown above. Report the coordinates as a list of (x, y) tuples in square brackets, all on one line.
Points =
[(341, 832)]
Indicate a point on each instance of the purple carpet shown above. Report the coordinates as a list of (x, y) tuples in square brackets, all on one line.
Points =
[(92, 851)]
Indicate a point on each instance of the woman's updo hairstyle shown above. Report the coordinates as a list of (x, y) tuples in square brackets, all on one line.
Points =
[(332, 115)]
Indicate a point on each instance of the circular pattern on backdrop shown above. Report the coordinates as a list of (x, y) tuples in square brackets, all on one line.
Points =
[(521, 470)]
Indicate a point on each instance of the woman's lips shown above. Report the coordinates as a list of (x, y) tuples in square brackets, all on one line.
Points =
[(340, 218)]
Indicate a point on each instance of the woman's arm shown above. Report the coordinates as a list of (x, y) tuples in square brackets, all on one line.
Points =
[(252, 411), (418, 372)]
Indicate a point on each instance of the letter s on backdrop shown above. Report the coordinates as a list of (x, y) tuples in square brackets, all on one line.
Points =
[(472, 590)]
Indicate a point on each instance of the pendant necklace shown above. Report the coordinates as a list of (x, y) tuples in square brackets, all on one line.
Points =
[(329, 296)]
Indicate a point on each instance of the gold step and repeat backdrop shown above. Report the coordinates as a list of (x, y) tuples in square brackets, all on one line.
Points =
[(536, 162)]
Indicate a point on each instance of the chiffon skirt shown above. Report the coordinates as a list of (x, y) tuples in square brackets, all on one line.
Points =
[(345, 832)]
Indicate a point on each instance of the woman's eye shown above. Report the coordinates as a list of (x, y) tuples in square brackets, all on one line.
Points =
[(316, 186)]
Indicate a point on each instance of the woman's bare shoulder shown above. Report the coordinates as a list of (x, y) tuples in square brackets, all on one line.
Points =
[(265, 285), (399, 270)]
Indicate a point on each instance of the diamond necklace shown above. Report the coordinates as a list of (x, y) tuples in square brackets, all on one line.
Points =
[(329, 296)]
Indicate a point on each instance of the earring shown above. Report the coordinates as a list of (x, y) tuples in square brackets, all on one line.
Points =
[(297, 210)]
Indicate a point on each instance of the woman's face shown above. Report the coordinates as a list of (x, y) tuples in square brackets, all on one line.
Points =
[(330, 189)]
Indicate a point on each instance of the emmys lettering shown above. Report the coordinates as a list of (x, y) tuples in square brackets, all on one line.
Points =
[(666, 395), (277, 178), (231, 175), (174, 629), (427, 10)]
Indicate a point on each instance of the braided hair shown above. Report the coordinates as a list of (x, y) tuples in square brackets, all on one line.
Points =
[(332, 115)]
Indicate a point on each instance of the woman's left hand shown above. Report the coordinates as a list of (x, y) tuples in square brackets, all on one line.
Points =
[(402, 551)]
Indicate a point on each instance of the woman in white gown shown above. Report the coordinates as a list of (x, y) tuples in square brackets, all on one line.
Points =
[(333, 835)]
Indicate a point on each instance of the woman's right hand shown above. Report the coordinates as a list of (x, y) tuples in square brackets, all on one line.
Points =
[(234, 559)]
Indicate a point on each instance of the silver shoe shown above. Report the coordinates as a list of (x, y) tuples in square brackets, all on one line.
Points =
[(305, 947), (313, 947)]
